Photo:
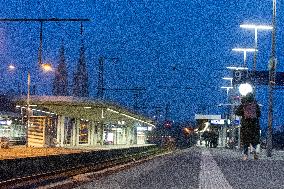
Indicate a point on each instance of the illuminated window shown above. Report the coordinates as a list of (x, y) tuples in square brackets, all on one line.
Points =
[(83, 132)]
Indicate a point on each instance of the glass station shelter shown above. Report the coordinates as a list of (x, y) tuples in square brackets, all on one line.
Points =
[(71, 121)]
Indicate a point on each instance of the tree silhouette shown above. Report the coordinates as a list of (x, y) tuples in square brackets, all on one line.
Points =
[(60, 83), (80, 81)]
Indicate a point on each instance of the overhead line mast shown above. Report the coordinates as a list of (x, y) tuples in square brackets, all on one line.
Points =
[(41, 20)]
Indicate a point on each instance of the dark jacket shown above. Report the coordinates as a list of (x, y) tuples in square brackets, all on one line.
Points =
[(249, 110)]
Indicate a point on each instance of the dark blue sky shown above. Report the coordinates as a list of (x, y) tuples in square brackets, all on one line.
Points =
[(174, 43)]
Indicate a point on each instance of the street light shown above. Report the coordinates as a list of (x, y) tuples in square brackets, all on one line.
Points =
[(256, 28), (230, 79), (245, 88), (228, 89), (244, 50), (11, 67), (45, 67), (236, 68)]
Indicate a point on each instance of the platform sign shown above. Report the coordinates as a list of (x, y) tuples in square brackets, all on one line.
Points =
[(256, 77), (241, 76), (237, 122), (202, 116), (37, 130), (262, 78), (217, 121)]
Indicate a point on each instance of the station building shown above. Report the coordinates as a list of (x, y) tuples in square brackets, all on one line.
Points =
[(67, 121)]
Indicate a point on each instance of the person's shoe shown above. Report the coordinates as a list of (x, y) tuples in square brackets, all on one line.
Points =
[(245, 157), (255, 156)]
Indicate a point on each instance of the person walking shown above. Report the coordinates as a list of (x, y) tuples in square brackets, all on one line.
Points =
[(249, 111), (205, 137)]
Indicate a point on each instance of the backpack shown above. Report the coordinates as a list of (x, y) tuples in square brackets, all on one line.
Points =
[(249, 110)]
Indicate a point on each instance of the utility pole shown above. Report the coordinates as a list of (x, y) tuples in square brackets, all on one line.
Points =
[(100, 93), (167, 111), (101, 86), (272, 70), (41, 21), (135, 98), (136, 92), (28, 109)]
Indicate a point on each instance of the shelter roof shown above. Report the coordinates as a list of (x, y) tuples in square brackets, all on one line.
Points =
[(83, 108)]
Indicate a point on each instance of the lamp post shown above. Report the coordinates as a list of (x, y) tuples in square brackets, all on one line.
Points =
[(45, 67), (256, 29), (227, 117), (28, 108), (244, 50), (272, 70)]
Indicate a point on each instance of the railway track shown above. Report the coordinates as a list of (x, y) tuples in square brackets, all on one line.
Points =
[(46, 179)]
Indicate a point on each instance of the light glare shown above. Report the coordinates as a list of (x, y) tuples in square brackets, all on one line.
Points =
[(245, 88), (11, 67), (253, 26), (237, 68), (46, 67), (227, 78), (244, 49)]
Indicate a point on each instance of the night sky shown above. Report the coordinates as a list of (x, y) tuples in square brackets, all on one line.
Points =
[(166, 46)]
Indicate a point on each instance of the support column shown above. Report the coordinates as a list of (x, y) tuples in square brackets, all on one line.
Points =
[(134, 133), (100, 135), (124, 135), (95, 133), (127, 133), (75, 132), (60, 130), (91, 133)]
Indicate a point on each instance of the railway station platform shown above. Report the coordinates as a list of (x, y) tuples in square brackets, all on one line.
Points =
[(22, 151)]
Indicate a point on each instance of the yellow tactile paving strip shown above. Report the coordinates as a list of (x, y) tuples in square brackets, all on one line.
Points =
[(23, 152)]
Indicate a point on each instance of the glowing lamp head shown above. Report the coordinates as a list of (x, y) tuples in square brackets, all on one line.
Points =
[(11, 67), (46, 67), (245, 89)]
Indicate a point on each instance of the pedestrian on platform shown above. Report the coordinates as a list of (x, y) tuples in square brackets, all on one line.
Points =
[(250, 112), (206, 138)]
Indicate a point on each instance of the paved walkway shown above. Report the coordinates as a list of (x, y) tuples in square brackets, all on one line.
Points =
[(210, 174), (235, 153), (192, 168)]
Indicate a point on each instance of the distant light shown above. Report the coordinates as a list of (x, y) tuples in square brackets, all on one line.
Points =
[(87, 107), (11, 67), (244, 49), (227, 78), (253, 26), (245, 88)]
